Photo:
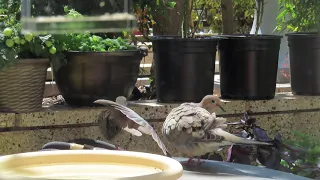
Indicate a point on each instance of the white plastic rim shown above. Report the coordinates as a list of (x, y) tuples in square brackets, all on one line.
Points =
[(89, 164)]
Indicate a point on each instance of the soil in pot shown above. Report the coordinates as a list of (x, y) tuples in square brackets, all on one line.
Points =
[(184, 68), (88, 76), (248, 66), (304, 51)]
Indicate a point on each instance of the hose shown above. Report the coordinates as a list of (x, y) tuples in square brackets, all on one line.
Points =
[(79, 144)]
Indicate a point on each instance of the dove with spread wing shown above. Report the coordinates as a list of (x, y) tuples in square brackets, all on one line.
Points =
[(131, 122)]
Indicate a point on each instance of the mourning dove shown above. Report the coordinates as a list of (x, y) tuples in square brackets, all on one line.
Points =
[(131, 122), (194, 131)]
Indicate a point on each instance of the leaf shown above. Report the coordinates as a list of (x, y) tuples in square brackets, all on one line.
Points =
[(261, 135), (38, 49)]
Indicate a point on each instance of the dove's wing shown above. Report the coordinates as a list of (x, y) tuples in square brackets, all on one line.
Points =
[(144, 126)]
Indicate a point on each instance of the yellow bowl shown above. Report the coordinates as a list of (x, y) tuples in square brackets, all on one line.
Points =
[(89, 164)]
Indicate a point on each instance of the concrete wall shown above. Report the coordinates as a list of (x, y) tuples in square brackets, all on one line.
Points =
[(30, 131)]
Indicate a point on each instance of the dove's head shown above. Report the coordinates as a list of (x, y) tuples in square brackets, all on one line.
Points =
[(121, 100), (211, 101)]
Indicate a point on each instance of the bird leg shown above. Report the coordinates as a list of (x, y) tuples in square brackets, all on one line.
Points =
[(117, 147), (199, 161), (189, 162)]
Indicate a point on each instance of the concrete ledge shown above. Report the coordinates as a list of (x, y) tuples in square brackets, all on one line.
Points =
[(29, 131), (151, 110)]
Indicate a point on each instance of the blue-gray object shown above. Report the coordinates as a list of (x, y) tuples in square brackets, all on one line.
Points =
[(231, 171)]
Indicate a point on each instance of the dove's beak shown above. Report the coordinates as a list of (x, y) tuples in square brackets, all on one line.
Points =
[(221, 108)]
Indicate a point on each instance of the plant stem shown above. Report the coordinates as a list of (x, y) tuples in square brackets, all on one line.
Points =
[(199, 20), (261, 12), (258, 10), (186, 20)]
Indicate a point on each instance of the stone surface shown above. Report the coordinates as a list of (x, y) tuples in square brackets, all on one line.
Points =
[(30, 131), (151, 110), (32, 140)]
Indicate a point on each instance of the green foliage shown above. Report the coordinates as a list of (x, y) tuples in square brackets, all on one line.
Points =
[(89, 42), (307, 163), (243, 14), (298, 16), (13, 44), (149, 12)]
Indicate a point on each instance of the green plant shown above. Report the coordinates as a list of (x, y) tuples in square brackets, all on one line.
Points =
[(151, 13), (299, 155), (16, 46), (305, 157), (89, 42), (298, 16), (243, 14)]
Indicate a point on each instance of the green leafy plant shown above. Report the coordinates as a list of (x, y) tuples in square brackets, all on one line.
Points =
[(16, 46), (298, 16), (89, 42), (305, 155), (243, 14)]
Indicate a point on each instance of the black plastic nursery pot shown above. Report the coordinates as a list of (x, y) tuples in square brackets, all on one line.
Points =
[(248, 66), (184, 68), (88, 76), (304, 53)]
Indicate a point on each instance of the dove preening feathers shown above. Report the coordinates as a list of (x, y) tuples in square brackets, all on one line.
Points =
[(131, 122), (194, 131)]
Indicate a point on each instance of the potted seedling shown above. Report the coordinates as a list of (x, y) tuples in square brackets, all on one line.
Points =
[(249, 63), (301, 20), (94, 67), (24, 59)]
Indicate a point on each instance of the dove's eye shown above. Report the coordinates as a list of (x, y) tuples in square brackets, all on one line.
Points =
[(213, 101)]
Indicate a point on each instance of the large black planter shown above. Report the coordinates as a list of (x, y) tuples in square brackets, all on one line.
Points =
[(248, 66), (88, 76), (304, 56), (184, 68)]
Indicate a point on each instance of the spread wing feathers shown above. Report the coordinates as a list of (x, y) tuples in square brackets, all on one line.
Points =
[(129, 113), (144, 125), (132, 131), (235, 139), (157, 139)]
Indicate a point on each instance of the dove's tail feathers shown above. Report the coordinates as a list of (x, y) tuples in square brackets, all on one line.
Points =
[(156, 138), (235, 139)]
